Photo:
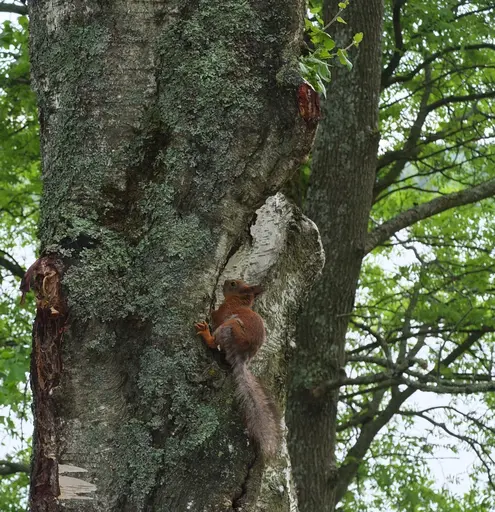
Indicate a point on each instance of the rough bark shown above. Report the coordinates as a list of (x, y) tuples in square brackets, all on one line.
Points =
[(164, 126), (343, 174)]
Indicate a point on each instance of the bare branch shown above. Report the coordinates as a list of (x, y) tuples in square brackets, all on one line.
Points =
[(371, 428), (470, 13), (435, 56), (456, 71), (10, 264), (410, 146), (446, 386), (460, 99), (399, 42), (475, 445)]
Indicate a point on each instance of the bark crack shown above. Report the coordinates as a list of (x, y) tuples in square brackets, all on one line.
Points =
[(238, 500), (235, 247)]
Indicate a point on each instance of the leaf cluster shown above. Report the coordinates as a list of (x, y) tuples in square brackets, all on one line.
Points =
[(315, 64), (424, 319)]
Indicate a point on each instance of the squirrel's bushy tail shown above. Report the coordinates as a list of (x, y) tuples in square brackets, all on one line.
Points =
[(262, 419)]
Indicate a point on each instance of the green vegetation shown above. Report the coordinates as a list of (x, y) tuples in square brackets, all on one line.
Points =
[(19, 197), (425, 292)]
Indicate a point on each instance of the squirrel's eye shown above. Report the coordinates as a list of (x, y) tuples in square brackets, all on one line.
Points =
[(232, 283)]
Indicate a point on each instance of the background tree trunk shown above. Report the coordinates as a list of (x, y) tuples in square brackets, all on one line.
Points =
[(164, 126), (339, 201)]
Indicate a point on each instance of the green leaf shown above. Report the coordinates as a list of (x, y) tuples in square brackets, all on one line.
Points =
[(358, 38), (304, 69), (328, 42), (342, 54), (341, 20)]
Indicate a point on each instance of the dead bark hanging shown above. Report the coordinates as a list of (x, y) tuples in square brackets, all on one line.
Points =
[(44, 276)]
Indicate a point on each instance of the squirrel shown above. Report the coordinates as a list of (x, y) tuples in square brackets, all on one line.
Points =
[(239, 332)]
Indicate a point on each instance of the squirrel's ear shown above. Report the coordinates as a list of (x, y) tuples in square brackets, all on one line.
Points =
[(256, 290)]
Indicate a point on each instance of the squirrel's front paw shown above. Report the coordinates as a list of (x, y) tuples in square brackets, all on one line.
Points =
[(203, 330), (201, 327)]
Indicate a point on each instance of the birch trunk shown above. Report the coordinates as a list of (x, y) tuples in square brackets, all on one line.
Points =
[(165, 125)]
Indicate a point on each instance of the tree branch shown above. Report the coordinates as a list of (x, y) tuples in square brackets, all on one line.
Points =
[(410, 155), (9, 263), (475, 445), (425, 210), (410, 146), (435, 56), (22, 10), (460, 99), (456, 71), (371, 428), (399, 42), (470, 13), (7, 467), (446, 386)]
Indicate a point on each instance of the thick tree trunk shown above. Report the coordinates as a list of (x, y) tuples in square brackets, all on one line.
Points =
[(164, 126), (339, 201)]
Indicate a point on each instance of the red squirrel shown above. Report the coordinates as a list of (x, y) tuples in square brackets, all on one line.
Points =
[(240, 332)]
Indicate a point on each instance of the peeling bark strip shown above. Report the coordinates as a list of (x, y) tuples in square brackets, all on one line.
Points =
[(309, 104), (44, 277)]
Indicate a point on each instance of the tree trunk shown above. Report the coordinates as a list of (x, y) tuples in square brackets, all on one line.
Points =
[(339, 201), (164, 126)]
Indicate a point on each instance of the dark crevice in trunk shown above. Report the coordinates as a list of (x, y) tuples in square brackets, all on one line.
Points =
[(239, 499)]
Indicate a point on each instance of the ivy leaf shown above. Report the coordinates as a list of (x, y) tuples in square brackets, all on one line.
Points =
[(328, 42)]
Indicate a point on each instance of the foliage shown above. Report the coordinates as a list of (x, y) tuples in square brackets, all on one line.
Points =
[(315, 65), (423, 320), (19, 195), (424, 295), (13, 488)]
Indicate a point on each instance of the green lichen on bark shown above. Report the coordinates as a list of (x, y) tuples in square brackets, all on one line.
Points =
[(71, 64), (136, 463), (222, 88), (171, 402)]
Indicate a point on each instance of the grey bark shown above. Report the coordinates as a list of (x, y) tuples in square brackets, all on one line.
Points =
[(339, 201), (164, 126)]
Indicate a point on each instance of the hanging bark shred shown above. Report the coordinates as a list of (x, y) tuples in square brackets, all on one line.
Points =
[(44, 278), (309, 104)]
